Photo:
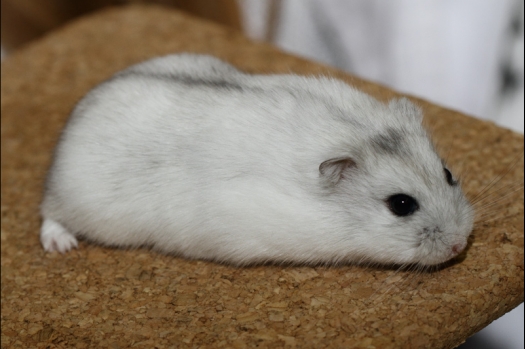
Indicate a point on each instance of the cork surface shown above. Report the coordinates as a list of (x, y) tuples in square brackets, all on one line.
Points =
[(97, 297)]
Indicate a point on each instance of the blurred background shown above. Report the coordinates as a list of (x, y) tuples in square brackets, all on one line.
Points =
[(462, 54)]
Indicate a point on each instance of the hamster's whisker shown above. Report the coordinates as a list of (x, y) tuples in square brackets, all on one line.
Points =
[(413, 274), (380, 291), (492, 219), (499, 201), (487, 194), (406, 269), (422, 272), (441, 239), (490, 216), (496, 179), (513, 188), (441, 150)]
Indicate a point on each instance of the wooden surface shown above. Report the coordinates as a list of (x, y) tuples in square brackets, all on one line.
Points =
[(98, 297)]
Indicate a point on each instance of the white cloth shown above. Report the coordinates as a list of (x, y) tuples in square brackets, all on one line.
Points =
[(446, 51)]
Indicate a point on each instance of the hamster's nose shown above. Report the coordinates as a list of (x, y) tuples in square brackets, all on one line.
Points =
[(458, 248)]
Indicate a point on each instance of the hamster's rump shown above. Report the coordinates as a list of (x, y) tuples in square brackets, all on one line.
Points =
[(189, 155)]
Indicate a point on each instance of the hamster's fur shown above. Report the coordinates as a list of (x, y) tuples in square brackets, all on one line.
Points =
[(190, 156)]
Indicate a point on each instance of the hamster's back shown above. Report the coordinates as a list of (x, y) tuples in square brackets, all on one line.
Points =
[(175, 149)]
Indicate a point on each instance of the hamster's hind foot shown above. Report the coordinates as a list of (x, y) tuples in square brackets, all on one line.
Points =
[(54, 237)]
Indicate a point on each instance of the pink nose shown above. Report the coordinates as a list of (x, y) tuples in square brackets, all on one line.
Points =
[(457, 248)]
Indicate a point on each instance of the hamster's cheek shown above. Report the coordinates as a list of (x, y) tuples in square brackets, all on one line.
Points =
[(394, 247)]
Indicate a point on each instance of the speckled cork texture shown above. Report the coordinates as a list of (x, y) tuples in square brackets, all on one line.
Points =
[(97, 297)]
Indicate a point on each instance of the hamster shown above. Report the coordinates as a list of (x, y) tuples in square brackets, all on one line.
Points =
[(190, 156)]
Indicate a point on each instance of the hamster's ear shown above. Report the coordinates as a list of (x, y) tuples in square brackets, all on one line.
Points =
[(405, 108), (334, 170)]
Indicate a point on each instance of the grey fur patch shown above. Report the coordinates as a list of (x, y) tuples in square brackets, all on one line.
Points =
[(185, 79), (209, 83), (390, 142)]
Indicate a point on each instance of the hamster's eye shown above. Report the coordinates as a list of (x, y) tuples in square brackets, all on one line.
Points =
[(402, 205), (448, 175)]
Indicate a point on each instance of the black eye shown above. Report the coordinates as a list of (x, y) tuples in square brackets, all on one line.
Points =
[(450, 180), (402, 205)]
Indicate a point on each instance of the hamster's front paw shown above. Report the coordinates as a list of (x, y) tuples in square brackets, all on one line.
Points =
[(54, 237)]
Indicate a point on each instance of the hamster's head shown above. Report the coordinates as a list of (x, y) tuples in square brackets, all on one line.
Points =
[(401, 203)]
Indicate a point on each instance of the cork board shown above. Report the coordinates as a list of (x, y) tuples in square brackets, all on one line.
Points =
[(97, 297)]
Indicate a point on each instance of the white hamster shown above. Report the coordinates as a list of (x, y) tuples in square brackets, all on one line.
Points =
[(188, 155)]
